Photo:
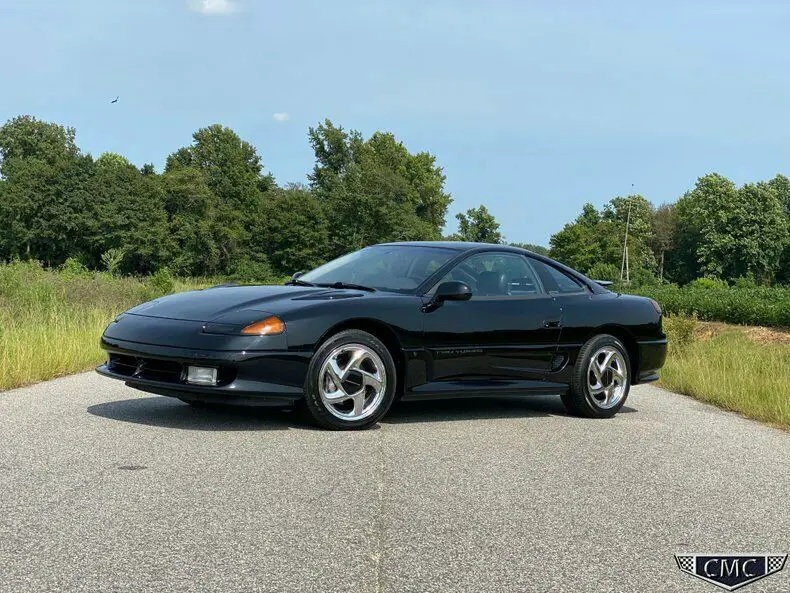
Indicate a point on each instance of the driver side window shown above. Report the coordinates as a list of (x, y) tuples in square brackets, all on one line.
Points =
[(493, 273)]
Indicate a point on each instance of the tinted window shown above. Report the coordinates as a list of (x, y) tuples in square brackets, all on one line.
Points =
[(556, 281), (396, 268), (496, 274)]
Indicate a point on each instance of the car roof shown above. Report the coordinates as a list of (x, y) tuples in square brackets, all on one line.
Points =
[(454, 245)]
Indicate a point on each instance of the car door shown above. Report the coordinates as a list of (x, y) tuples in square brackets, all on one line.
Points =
[(507, 331)]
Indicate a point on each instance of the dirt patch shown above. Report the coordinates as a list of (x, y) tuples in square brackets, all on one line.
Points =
[(761, 335)]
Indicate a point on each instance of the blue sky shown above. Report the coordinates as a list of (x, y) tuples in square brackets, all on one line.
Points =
[(532, 108)]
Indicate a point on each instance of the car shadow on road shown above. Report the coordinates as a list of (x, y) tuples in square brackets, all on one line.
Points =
[(478, 408), (171, 413)]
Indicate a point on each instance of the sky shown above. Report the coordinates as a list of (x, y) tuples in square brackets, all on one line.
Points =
[(531, 108)]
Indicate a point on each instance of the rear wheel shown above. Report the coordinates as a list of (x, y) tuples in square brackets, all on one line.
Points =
[(351, 381), (601, 379)]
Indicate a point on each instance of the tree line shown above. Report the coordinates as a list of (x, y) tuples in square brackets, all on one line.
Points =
[(214, 210), (716, 230)]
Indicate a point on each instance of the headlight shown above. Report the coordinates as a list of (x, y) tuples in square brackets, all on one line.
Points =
[(265, 327)]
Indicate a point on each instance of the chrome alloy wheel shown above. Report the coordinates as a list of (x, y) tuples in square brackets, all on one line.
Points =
[(607, 377), (352, 382)]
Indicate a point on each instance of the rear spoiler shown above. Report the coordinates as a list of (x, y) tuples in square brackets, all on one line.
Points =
[(603, 282)]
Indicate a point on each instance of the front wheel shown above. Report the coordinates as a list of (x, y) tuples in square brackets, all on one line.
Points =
[(351, 381), (601, 379)]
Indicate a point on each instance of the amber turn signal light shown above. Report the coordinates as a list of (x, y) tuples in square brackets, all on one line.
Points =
[(265, 327)]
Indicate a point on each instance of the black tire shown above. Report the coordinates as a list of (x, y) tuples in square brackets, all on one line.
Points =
[(313, 405), (579, 401)]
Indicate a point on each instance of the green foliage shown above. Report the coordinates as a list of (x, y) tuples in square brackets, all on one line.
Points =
[(729, 232), (375, 190), (680, 329), (597, 237), (478, 225), (27, 138), (643, 277), (73, 268), (129, 216), (665, 234), (604, 271), (112, 259), (250, 271), (708, 284), (539, 249), (291, 230), (216, 212), (162, 282), (713, 300)]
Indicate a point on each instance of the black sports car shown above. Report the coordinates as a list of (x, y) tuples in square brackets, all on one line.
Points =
[(399, 320)]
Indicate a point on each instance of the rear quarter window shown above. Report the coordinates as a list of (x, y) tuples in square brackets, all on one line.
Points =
[(556, 281)]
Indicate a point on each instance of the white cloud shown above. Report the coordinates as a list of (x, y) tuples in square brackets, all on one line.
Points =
[(213, 6), (281, 117)]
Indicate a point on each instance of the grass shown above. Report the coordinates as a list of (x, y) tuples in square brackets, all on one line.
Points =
[(50, 321), (736, 369)]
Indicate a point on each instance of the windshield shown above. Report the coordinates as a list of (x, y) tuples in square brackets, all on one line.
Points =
[(394, 268)]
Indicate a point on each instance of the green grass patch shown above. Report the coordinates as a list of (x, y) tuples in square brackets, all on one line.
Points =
[(731, 371)]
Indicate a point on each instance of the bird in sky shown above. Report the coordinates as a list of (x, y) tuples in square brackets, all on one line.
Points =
[(115, 100)]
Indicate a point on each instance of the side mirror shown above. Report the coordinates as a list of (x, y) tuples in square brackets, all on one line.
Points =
[(452, 291), (297, 275)]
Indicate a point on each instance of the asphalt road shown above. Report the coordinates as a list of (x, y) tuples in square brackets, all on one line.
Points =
[(105, 489)]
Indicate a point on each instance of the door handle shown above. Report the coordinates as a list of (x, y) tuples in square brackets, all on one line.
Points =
[(551, 323)]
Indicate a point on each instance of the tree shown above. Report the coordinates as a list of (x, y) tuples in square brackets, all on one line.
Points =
[(539, 249), (665, 229), (192, 223), (478, 225), (590, 240), (25, 137), (44, 206), (232, 172), (640, 231), (727, 233), (45, 211), (291, 231), (781, 186), (375, 190), (129, 216)]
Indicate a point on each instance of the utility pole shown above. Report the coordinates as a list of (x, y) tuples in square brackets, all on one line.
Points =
[(624, 267)]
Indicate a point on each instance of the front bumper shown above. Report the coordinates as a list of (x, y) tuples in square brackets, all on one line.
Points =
[(246, 377)]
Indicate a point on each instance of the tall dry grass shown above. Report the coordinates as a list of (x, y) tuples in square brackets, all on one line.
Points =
[(50, 321), (729, 370)]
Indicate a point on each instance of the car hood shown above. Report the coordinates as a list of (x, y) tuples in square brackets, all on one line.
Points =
[(236, 304)]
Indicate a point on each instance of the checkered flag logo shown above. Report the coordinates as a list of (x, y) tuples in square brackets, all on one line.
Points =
[(685, 563), (775, 563), (730, 571)]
